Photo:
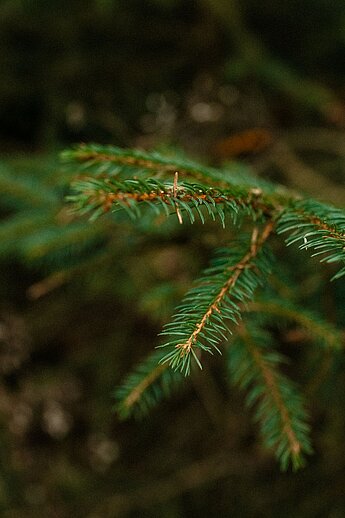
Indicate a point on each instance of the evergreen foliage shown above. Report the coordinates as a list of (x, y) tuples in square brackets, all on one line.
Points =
[(113, 180), (199, 325), (319, 227), (254, 367), (148, 384)]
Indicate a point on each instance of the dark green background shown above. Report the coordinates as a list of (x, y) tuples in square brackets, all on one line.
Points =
[(159, 73)]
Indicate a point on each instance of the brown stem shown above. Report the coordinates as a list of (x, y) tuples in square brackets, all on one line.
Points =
[(332, 231), (138, 390), (270, 380), (236, 270), (107, 199)]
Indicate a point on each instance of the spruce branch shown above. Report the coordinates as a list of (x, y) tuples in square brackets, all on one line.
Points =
[(114, 161), (153, 379), (317, 226), (254, 367), (146, 386), (199, 323), (97, 196), (132, 180)]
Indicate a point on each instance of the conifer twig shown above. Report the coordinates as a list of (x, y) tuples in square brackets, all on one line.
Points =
[(316, 226), (279, 408), (269, 378), (178, 212), (207, 318), (138, 390), (235, 272), (122, 181), (145, 386)]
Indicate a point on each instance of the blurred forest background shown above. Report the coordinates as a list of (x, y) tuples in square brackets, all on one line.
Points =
[(257, 84)]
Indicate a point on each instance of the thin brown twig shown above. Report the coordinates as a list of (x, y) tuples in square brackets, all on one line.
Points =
[(333, 232), (171, 196), (235, 272), (270, 380), (178, 212), (138, 390)]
